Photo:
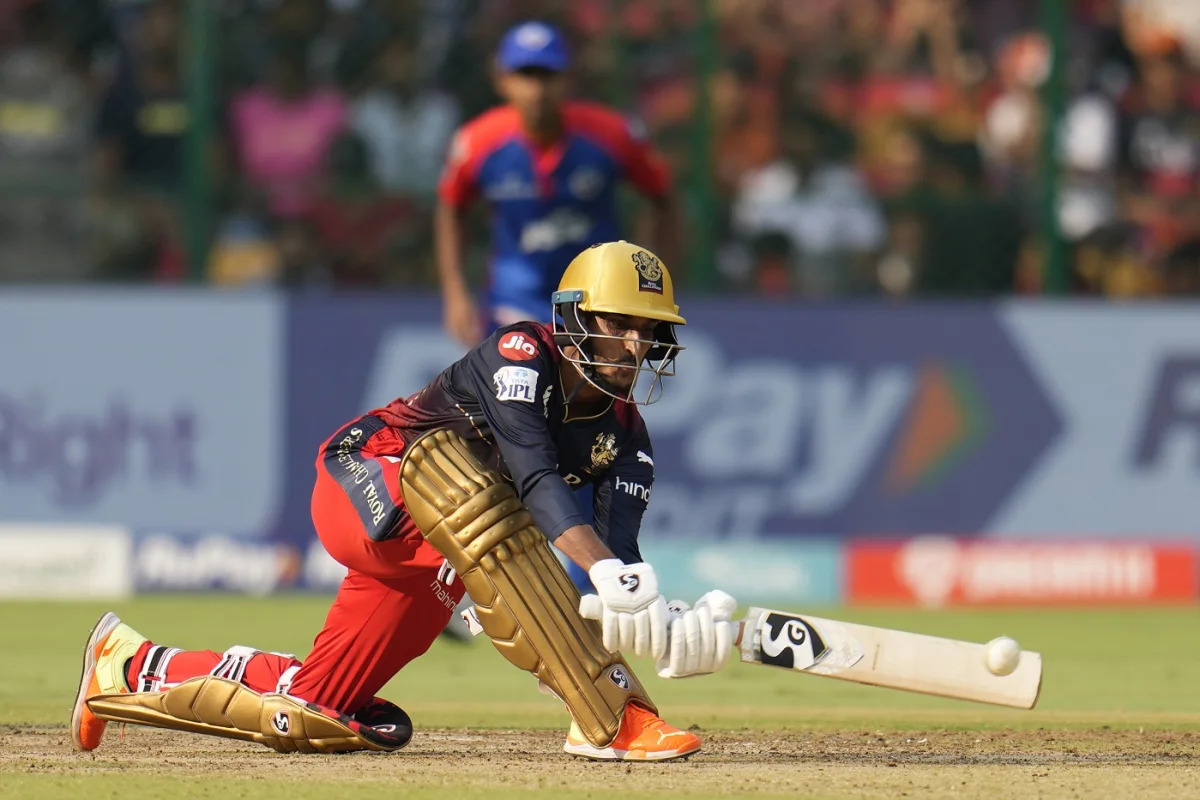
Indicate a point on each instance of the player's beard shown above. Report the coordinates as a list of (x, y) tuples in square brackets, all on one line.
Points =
[(618, 375)]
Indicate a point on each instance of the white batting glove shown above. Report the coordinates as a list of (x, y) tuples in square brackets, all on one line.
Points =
[(701, 638), (634, 615)]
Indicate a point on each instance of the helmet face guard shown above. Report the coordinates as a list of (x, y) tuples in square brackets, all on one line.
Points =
[(572, 329)]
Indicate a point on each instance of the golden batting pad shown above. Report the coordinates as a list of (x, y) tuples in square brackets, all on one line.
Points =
[(221, 707), (525, 600)]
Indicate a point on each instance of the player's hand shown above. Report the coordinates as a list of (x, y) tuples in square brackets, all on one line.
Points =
[(634, 614), (461, 319), (701, 638)]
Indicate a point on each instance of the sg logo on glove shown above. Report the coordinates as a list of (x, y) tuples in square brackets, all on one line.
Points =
[(630, 582)]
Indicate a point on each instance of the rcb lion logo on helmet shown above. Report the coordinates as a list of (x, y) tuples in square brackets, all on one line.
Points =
[(604, 451), (650, 270)]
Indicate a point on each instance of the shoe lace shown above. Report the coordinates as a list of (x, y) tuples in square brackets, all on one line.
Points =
[(644, 717)]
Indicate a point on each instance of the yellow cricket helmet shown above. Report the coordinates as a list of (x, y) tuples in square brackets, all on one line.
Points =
[(617, 278), (621, 278)]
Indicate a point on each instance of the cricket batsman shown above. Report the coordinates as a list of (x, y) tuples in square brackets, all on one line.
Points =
[(458, 488)]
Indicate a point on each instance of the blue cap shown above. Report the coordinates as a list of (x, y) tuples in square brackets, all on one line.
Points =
[(532, 44)]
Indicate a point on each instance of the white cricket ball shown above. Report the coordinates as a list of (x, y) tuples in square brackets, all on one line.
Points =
[(1003, 654)]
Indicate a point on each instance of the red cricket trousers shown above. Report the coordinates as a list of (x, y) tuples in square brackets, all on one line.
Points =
[(396, 597)]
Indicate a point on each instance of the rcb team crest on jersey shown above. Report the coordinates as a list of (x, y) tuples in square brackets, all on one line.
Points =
[(604, 451), (650, 272)]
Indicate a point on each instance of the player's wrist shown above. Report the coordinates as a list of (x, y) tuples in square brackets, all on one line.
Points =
[(604, 566)]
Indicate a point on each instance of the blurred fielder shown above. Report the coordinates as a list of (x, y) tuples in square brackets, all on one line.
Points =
[(549, 169), (459, 488)]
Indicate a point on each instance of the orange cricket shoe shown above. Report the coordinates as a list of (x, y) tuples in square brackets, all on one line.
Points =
[(110, 644), (643, 737)]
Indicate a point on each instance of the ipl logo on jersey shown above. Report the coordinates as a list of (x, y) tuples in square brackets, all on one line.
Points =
[(650, 270), (515, 383), (604, 451)]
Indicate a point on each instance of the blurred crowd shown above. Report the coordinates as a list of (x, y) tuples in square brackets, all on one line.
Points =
[(850, 146)]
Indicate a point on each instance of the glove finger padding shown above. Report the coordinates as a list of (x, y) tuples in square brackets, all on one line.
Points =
[(626, 632), (724, 644), (678, 649), (641, 636), (722, 605), (693, 636), (658, 629), (700, 638), (707, 638), (611, 631), (675, 609)]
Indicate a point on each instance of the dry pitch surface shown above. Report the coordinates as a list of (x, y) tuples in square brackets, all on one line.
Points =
[(496, 764)]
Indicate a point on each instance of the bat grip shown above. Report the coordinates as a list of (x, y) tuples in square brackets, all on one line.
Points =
[(740, 631)]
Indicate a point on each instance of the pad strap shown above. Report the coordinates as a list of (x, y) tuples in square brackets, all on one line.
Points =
[(153, 674), (284, 686), (233, 662)]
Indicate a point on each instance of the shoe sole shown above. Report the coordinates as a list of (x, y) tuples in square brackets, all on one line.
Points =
[(585, 750), (103, 627)]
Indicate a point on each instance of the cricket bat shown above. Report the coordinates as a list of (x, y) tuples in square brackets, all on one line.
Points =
[(884, 657)]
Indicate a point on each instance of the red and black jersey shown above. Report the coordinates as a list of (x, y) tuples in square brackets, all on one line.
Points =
[(505, 399)]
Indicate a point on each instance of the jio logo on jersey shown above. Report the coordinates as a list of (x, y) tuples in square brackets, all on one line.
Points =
[(517, 347)]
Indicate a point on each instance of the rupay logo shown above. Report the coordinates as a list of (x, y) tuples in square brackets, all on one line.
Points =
[(782, 439)]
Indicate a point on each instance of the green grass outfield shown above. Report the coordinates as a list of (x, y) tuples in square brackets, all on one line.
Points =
[(1126, 669)]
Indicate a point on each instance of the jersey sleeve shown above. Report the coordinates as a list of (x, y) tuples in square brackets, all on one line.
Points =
[(459, 184), (642, 166), (625, 141), (513, 392), (620, 498)]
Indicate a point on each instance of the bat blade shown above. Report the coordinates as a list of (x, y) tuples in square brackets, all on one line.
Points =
[(884, 657)]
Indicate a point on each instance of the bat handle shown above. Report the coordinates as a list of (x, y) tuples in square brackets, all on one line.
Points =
[(739, 631)]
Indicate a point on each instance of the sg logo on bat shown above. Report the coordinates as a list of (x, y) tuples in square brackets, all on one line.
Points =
[(790, 642)]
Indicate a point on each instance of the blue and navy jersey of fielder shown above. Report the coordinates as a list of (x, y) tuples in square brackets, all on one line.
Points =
[(548, 204), (504, 398)]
